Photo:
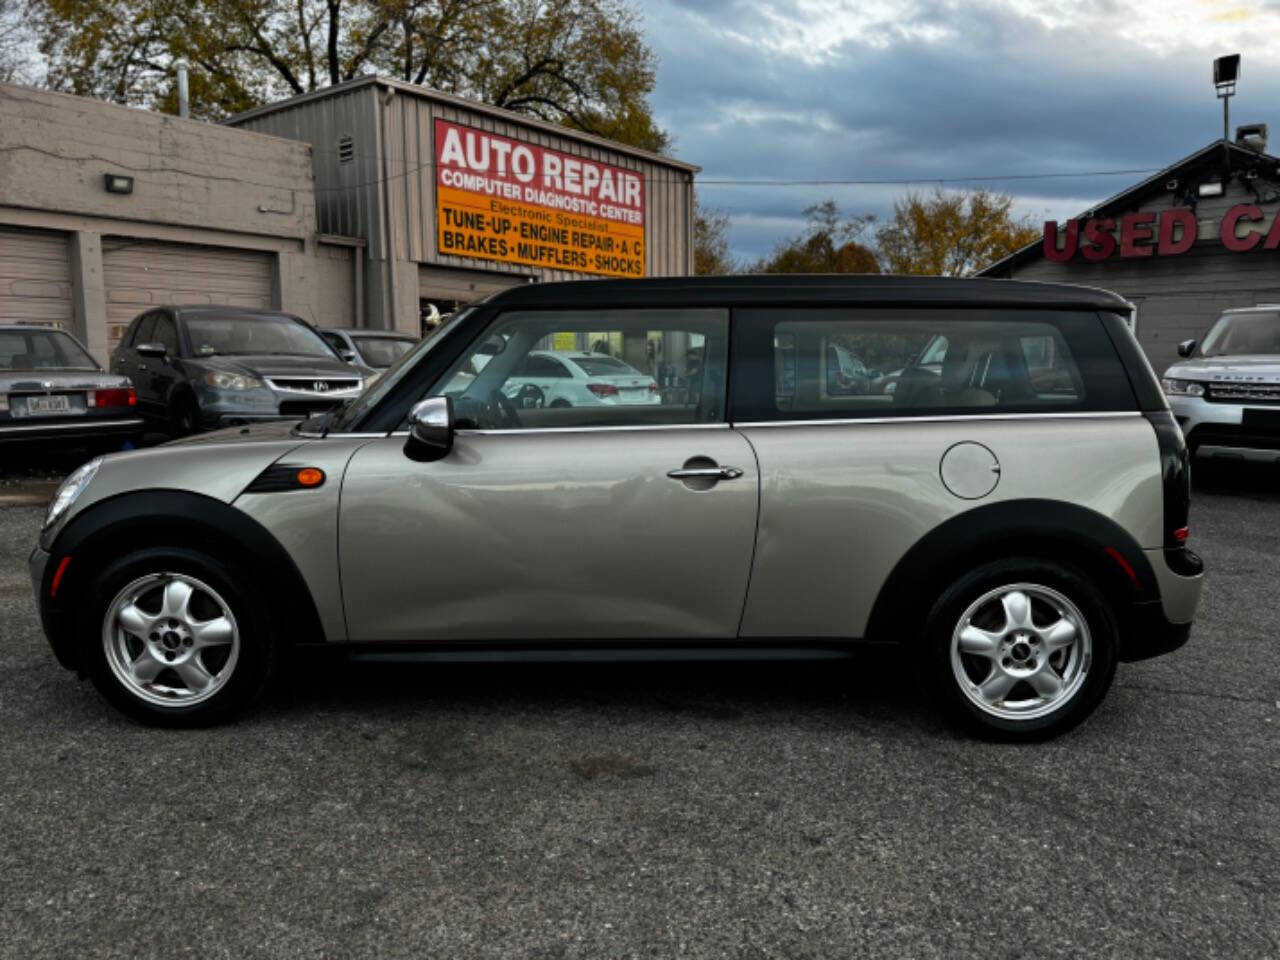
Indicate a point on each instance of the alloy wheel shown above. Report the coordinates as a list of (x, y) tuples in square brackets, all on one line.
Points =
[(170, 639), (1021, 651)]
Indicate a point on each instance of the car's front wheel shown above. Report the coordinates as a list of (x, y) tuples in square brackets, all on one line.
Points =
[(1023, 649), (175, 637)]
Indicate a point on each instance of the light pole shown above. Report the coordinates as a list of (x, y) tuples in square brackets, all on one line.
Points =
[(1226, 71)]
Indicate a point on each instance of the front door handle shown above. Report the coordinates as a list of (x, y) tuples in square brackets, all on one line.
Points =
[(705, 473)]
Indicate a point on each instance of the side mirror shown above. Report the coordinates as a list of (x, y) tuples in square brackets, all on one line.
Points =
[(1186, 348), (152, 350), (348, 355), (430, 430)]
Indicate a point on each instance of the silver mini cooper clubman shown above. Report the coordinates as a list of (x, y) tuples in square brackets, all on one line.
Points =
[(1014, 511)]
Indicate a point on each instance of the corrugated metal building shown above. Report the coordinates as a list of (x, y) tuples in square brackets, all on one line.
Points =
[(1183, 245), (382, 153)]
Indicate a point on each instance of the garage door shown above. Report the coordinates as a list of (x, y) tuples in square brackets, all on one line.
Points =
[(35, 277), (463, 286), (140, 275)]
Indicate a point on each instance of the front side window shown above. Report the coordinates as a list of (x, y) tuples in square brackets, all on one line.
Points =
[(614, 368), (824, 363), (1243, 334), (166, 335)]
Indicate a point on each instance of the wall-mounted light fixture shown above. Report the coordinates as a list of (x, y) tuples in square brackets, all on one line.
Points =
[(1211, 188), (117, 183)]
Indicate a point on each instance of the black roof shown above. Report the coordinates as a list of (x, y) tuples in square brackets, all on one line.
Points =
[(1205, 161), (814, 289)]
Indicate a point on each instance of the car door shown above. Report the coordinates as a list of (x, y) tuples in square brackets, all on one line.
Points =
[(164, 372), (135, 366), (605, 523)]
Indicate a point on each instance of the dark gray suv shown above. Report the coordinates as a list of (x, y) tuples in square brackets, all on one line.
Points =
[(205, 367)]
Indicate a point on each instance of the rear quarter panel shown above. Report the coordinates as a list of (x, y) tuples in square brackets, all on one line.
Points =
[(841, 503)]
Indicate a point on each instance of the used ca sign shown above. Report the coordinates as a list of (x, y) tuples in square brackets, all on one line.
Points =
[(1146, 234)]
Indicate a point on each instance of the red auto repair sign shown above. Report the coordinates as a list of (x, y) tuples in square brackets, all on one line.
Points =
[(1146, 234), (501, 199)]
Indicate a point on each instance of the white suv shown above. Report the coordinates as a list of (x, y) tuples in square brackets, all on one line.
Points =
[(1225, 394)]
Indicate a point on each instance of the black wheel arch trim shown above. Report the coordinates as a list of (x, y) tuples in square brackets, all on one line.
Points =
[(1053, 530), (177, 518)]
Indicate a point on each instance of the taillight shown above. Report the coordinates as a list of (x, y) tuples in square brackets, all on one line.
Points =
[(1181, 534), (653, 387), (603, 389), (113, 397)]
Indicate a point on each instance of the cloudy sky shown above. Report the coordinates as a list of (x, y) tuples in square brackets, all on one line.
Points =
[(898, 89)]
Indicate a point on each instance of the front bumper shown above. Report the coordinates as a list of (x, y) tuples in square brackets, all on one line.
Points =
[(1218, 429), (225, 408)]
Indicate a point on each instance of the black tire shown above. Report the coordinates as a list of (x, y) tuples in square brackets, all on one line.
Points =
[(184, 416), (256, 654), (1079, 698)]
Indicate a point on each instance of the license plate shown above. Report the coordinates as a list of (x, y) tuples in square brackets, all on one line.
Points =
[(48, 406), (1261, 418)]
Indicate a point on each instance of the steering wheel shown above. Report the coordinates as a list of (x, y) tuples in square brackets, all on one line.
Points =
[(507, 413), (530, 397)]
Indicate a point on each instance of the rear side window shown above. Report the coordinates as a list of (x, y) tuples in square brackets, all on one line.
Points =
[(797, 363)]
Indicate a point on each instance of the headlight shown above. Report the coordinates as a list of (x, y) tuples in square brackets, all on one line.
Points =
[(231, 381), (71, 488), (1183, 388)]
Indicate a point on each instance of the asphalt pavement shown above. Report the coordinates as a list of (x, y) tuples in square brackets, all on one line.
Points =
[(691, 811)]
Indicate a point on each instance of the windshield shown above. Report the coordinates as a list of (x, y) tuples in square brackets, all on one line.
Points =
[(1242, 334), (343, 417), (254, 334), (42, 350), (382, 352)]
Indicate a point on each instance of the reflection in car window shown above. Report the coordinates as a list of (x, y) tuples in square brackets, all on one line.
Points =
[(637, 368)]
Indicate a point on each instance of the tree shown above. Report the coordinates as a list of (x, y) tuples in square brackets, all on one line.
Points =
[(13, 59), (582, 63), (828, 245), (711, 242), (951, 234)]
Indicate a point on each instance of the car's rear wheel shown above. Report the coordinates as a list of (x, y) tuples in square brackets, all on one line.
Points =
[(1023, 649), (175, 637)]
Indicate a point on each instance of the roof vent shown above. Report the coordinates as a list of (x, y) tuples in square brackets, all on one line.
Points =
[(346, 148), (1252, 136)]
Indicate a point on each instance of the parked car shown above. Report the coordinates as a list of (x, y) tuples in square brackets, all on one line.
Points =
[(205, 367), (578, 378), (375, 349), (1017, 544), (52, 389), (1225, 393)]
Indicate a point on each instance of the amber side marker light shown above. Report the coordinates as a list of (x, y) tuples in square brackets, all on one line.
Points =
[(310, 477)]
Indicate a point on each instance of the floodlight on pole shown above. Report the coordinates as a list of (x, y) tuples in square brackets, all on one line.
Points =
[(1226, 71)]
